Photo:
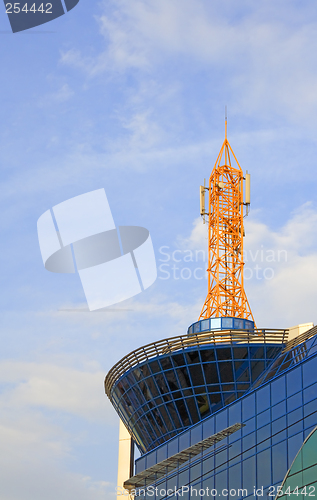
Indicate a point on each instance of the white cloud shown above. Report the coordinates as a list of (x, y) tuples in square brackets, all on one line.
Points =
[(266, 62)]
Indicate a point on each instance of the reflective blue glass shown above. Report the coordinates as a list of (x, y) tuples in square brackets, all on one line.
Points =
[(205, 325), (263, 418), (279, 410), (310, 393), (294, 401), (279, 461), (278, 425), (235, 477), (294, 444), (264, 468), (249, 473), (221, 480), (263, 398), (248, 407), (309, 372), (278, 390), (310, 407), (294, 381)]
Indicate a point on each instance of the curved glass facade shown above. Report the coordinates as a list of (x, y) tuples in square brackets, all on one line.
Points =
[(160, 398), (301, 479), (223, 323), (252, 462)]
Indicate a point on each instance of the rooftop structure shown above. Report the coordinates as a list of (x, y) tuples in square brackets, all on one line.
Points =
[(226, 406)]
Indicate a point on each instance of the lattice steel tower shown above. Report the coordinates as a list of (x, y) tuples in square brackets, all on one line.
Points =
[(226, 295)]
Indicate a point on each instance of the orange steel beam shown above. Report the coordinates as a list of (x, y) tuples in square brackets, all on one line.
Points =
[(226, 295)]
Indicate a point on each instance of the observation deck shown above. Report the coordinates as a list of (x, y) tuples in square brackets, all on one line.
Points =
[(162, 388)]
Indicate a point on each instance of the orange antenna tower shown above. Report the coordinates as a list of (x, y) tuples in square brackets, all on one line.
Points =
[(226, 296)]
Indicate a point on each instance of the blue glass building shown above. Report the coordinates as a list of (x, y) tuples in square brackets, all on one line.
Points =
[(220, 413)]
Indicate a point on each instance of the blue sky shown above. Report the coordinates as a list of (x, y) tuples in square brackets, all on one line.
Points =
[(129, 96)]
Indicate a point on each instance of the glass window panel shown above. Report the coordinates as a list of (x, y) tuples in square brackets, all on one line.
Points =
[(208, 464), (221, 481), (227, 322), (294, 444), (279, 461), (205, 325), (183, 478), (238, 323), (223, 353), (310, 407), (196, 327), (294, 401), (240, 352), (140, 465), (208, 427), (309, 372), (235, 477), (221, 458), (151, 459), (196, 375), (263, 433), (226, 371), (265, 444), (243, 374), (308, 431), (248, 407), (280, 436), (207, 355), (295, 428), (278, 390), (310, 393), (196, 435), (195, 472), (184, 441), (221, 421), (211, 373), (257, 368), (263, 398), (209, 483), (309, 451), (278, 425), (235, 413), (272, 352), (171, 380), (278, 410), (192, 357), (294, 381), (264, 469), (235, 450), (191, 405), (258, 353), (171, 483), (172, 447), (294, 416), (263, 418), (310, 475), (183, 377), (215, 323), (249, 476), (162, 453), (178, 359), (155, 366), (310, 421), (248, 443), (166, 363), (249, 426)]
